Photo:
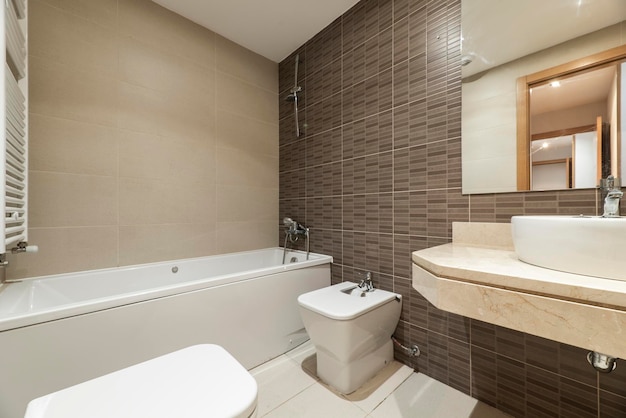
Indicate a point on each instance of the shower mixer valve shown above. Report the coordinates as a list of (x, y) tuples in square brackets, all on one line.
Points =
[(293, 231)]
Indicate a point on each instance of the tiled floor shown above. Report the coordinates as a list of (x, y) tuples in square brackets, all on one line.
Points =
[(289, 388)]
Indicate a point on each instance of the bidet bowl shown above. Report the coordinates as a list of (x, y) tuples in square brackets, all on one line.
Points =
[(351, 331), (588, 245)]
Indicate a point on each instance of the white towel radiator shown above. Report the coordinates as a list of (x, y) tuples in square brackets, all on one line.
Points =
[(14, 148)]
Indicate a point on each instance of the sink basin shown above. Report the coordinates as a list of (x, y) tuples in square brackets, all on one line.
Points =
[(589, 245)]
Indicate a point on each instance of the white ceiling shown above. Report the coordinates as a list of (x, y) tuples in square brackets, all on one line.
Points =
[(272, 28), (494, 31)]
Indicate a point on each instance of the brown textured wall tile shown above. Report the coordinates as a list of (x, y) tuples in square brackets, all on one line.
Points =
[(419, 310), (542, 393), (377, 175), (401, 212), (322, 83), (437, 320), (336, 273), (403, 287), (482, 208), (483, 335), (324, 48), (418, 217), (614, 381), (353, 23), (511, 386), (541, 352), (459, 373), (417, 32), (484, 375), (319, 149), (400, 10), (402, 249), (577, 399), (510, 343), (385, 131), (292, 184), (417, 80), (459, 327), (573, 364), (438, 356), (611, 405)]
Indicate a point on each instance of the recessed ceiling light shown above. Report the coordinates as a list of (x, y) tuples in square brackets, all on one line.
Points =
[(555, 84)]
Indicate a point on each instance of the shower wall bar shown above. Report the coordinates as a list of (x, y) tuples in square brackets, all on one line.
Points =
[(293, 96)]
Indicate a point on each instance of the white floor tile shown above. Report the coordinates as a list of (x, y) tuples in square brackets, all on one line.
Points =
[(302, 352), (424, 397), (315, 402), (378, 388), (279, 380)]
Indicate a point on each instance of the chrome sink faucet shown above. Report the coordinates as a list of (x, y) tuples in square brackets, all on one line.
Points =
[(612, 199), (611, 204)]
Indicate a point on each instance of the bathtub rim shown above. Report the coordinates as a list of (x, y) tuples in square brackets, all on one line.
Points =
[(9, 322)]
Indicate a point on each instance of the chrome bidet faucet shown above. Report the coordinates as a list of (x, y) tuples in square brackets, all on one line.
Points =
[(366, 284)]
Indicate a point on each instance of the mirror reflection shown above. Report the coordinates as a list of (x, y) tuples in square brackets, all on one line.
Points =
[(563, 32), (572, 126)]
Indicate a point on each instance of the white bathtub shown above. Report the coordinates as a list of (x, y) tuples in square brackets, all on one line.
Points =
[(57, 331)]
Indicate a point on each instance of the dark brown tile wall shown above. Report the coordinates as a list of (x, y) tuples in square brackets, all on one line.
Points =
[(377, 175)]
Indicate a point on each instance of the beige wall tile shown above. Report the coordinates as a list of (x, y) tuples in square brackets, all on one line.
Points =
[(154, 24), (150, 111), (59, 200), (63, 250), (150, 243), (237, 203), (150, 201), (124, 138), (61, 37), (240, 168), (103, 12), (233, 59), (65, 92), (67, 146), (237, 96), (239, 132), (244, 236), (155, 157), (144, 65)]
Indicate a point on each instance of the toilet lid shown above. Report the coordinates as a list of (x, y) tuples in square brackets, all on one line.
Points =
[(197, 382), (333, 303)]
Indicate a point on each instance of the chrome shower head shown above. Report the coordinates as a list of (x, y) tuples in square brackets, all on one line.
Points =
[(293, 95)]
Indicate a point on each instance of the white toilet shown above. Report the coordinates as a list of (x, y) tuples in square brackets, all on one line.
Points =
[(351, 330), (200, 381)]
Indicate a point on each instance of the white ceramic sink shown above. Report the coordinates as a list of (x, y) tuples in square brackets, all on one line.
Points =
[(592, 246)]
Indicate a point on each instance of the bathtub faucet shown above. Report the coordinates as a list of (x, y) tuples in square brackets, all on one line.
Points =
[(293, 232), (293, 228)]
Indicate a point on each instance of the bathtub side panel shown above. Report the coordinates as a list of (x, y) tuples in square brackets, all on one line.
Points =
[(255, 320)]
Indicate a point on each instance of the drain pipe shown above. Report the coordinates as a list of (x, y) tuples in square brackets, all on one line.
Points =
[(413, 351), (602, 362)]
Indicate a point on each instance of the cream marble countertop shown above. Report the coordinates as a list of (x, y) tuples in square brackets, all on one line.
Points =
[(479, 276), (499, 267)]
